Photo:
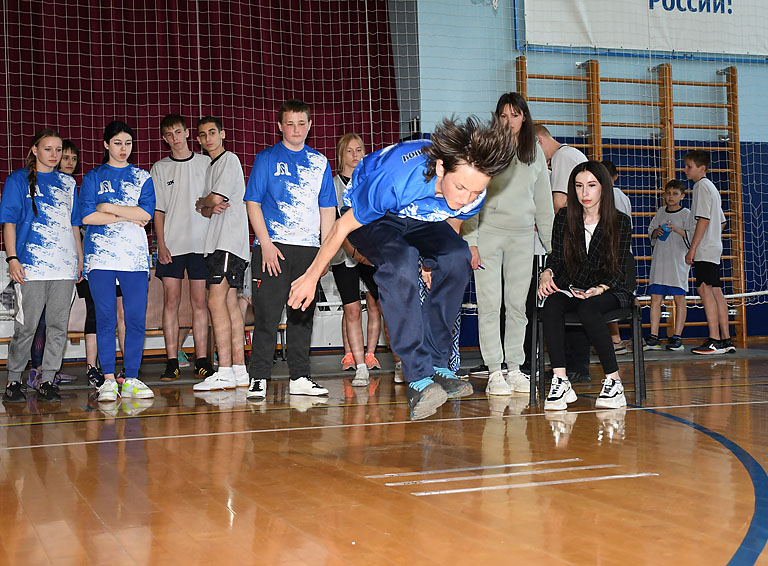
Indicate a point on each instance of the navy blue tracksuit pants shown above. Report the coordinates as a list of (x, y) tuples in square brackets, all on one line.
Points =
[(419, 333)]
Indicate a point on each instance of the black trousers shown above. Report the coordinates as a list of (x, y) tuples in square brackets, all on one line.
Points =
[(270, 294), (589, 312)]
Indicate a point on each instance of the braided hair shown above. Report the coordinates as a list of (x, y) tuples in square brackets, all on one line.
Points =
[(31, 161)]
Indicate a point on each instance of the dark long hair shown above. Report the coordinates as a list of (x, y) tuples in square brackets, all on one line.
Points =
[(112, 129), (526, 139), (31, 162), (573, 252)]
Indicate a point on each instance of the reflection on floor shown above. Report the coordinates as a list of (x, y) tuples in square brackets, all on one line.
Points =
[(211, 478)]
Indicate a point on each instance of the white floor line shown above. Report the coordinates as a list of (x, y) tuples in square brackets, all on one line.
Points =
[(344, 426), (531, 484), (472, 468), (506, 475)]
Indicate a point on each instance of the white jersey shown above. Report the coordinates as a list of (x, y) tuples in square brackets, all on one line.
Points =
[(668, 265), (707, 204), (227, 231), (178, 184)]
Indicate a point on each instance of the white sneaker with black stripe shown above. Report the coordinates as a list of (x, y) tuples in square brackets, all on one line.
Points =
[(612, 395), (560, 394), (257, 390), (305, 386)]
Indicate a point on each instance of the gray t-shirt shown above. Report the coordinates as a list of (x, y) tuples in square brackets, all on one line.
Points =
[(707, 204), (178, 185), (227, 231), (668, 265)]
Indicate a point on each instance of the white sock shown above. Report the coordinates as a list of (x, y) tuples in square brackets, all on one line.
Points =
[(226, 373), (240, 371)]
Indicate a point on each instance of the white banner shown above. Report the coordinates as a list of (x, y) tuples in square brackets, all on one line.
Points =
[(705, 26)]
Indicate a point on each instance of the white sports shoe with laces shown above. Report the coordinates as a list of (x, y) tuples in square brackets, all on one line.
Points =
[(612, 395), (560, 394)]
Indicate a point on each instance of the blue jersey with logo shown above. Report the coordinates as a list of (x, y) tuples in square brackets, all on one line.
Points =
[(291, 186), (392, 180), (120, 246), (45, 243)]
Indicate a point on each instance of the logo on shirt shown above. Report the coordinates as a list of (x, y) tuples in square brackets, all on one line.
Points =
[(408, 156), (169, 183), (105, 187), (37, 192), (282, 169)]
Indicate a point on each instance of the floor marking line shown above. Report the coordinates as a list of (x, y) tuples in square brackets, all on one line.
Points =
[(471, 469), (506, 475), (532, 484)]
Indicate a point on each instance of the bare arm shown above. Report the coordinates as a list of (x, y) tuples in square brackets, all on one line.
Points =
[(101, 218), (270, 255), (132, 213), (79, 244), (701, 227), (163, 254), (455, 223), (559, 200), (15, 269)]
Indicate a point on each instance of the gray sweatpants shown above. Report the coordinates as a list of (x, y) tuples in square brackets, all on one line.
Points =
[(56, 298), (506, 255)]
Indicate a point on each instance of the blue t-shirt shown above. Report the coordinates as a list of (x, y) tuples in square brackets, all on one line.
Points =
[(45, 244), (120, 246), (291, 186), (392, 180)]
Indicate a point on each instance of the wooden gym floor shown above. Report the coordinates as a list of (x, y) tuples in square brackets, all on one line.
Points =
[(213, 479)]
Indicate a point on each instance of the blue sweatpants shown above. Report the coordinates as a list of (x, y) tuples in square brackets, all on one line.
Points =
[(134, 285), (420, 333)]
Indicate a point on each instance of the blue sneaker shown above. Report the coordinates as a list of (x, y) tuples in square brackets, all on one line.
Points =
[(453, 386), (424, 398)]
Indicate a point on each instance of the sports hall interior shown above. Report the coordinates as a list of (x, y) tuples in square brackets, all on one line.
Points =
[(677, 477)]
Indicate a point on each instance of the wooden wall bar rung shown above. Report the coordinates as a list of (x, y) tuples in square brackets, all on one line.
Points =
[(704, 147), (629, 125), (629, 81), (631, 102), (558, 77), (697, 83), (557, 100), (629, 146), (567, 123), (699, 105), (701, 126)]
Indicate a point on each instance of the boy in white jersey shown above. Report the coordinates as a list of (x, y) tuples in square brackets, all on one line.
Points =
[(226, 253), (179, 181), (707, 223), (291, 203)]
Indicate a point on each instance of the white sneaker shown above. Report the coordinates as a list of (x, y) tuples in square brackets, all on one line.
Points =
[(243, 380), (361, 376), (257, 390), (134, 387), (215, 382), (518, 381), (305, 386), (497, 385), (612, 395), (399, 378), (560, 394), (108, 391)]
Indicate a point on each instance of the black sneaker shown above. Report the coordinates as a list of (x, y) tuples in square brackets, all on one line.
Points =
[(203, 368), (95, 377), (171, 372), (451, 384), (424, 398), (652, 342), (482, 369), (13, 393), (709, 347), (675, 344), (48, 392), (728, 346)]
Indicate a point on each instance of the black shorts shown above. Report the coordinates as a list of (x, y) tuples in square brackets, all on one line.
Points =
[(348, 281), (84, 291), (707, 273), (221, 264), (193, 264)]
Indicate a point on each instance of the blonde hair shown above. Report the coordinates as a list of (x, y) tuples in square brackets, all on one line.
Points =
[(31, 161), (341, 148)]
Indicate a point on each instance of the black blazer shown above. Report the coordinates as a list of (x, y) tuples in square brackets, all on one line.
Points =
[(590, 272)]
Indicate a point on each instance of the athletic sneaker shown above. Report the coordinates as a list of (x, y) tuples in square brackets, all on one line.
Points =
[(560, 394), (361, 376), (652, 342), (13, 393), (371, 361), (675, 344), (183, 359), (728, 346), (497, 385), (424, 398), (203, 368), (95, 377), (48, 391), (257, 390), (451, 384), (482, 369), (518, 381), (134, 387), (242, 380), (611, 395), (709, 347), (348, 362), (620, 347), (399, 378), (61, 377), (304, 385), (108, 391), (216, 382), (171, 372)]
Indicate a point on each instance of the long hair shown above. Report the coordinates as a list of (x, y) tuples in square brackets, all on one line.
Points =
[(31, 161), (526, 139), (486, 146), (341, 148), (112, 129), (573, 251)]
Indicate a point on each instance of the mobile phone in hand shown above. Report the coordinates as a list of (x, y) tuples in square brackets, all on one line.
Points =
[(577, 290)]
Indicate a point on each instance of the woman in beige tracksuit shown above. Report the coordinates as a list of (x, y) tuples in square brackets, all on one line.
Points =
[(518, 210)]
